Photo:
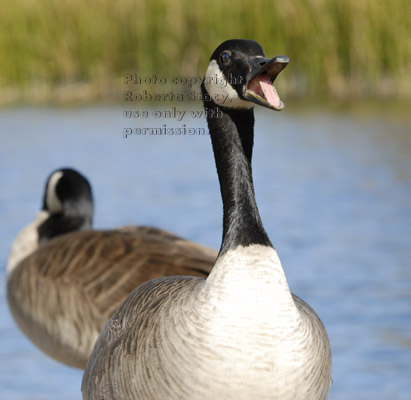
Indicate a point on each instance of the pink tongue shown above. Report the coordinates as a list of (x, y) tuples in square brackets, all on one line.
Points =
[(270, 93)]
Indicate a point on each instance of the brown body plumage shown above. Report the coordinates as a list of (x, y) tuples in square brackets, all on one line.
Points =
[(64, 292)]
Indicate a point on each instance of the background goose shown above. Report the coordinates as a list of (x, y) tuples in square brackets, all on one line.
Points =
[(65, 280), (240, 333)]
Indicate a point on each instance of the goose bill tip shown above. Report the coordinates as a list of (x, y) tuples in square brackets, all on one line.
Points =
[(261, 100), (260, 88)]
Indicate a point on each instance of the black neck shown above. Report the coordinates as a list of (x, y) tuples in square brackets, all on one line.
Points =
[(232, 134), (58, 224)]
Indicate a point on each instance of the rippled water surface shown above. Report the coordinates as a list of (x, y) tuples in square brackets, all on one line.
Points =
[(334, 192)]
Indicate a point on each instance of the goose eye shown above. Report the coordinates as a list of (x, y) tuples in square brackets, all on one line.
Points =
[(225, 58)]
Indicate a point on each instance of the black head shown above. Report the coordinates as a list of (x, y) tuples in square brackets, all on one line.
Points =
[(239, 76), (67, 192), (69, 203)]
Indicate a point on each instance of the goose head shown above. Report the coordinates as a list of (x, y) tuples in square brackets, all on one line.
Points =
[(68, 202), (67, 206), (239, 76), (68, 192)]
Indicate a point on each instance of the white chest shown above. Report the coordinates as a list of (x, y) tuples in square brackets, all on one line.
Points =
[(243, 338)]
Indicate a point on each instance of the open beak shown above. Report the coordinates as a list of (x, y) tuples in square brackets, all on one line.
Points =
[(260, 89)]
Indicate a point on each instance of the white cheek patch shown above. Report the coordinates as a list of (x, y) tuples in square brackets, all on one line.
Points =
[(53, 203), (220, 90)]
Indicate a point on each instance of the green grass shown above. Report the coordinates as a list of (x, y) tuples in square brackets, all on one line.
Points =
[(52, 50)]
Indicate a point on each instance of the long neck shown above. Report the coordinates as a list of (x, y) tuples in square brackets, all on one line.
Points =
[(232, 138)]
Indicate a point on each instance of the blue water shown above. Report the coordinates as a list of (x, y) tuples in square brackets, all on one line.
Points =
[(334, 192)]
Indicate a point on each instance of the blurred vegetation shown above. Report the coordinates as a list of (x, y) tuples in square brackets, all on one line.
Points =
[(80, 49)]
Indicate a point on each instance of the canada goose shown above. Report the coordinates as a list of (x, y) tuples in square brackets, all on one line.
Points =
[(62, 287), (240, 333)]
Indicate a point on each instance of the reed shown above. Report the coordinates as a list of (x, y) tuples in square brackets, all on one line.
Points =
[(342, 48)]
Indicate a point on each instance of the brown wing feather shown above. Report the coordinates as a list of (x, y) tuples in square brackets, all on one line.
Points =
[(88, 274), (108, 265)]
